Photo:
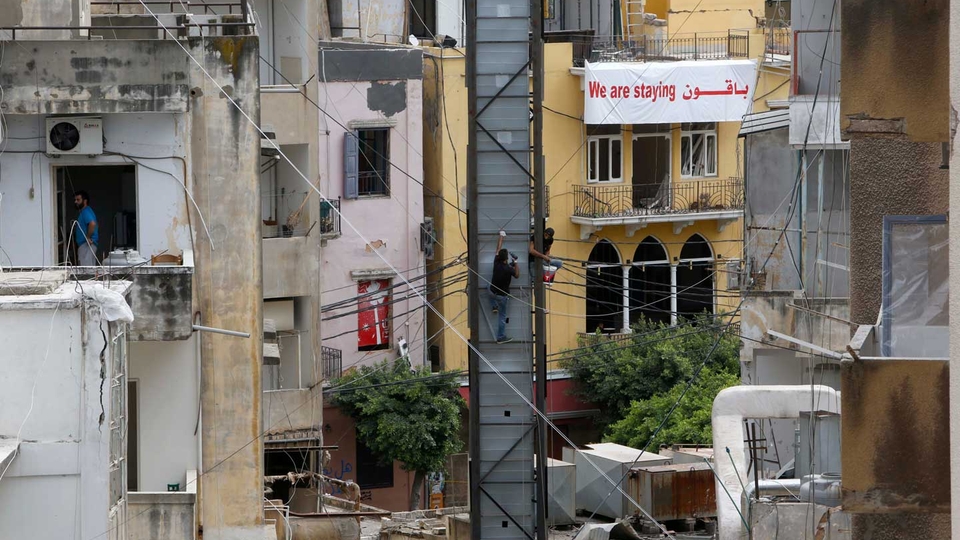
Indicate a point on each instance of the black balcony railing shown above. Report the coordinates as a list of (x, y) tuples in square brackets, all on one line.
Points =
[(330, 218), (331, 363), (778, 41), (684, 197), (373, 183), (732, 44)]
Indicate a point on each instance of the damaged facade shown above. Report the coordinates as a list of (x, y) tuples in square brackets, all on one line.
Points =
[(795, 312), (170, 167), (895, 377)]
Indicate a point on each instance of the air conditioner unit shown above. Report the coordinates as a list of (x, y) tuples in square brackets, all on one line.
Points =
[(75, 135)]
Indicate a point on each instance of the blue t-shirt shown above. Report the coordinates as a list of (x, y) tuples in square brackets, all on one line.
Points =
[(83, 221)]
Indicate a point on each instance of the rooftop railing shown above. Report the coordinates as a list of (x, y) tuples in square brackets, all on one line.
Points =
[(692, 46)]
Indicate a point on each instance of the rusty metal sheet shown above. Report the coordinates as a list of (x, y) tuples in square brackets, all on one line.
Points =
[(671, 492)]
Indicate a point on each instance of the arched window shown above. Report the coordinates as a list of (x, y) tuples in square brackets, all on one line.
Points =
[(650, 282), (604, 289), (695, 278)]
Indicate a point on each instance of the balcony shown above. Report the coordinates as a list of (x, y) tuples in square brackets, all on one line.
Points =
[(693, 46), (778, 47), (636, 206), (331, 363), (329, 219)]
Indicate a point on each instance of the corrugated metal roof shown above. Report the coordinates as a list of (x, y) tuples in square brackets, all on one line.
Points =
[(765, 121)]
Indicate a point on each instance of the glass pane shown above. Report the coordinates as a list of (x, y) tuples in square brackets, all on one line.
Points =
[(711, 154), (697, 154), (592, 159), (615, 158), (685, 156), (604, 159)]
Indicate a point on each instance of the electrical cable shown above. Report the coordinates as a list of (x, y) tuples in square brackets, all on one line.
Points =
[(349, 224)]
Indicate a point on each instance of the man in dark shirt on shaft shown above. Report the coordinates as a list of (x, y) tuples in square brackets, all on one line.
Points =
[(503, 274), (545, 256)]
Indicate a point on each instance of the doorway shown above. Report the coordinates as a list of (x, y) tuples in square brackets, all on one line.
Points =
[(695, 278), (604, 297), (650, 283), (112, 191), (651, 167)]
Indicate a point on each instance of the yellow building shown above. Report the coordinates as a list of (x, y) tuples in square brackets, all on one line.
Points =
[(647, 218)]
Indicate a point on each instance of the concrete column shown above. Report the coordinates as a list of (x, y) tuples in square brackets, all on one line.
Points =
[(225, 155), (626, 299), (673, 294)]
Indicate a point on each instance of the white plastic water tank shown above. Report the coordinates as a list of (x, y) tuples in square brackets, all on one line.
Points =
[(124, 257)]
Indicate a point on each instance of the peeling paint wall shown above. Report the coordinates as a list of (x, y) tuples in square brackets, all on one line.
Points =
[(29, 218), (895, 439), (225, 149), (895, 63), (64, 458), (390, 226)]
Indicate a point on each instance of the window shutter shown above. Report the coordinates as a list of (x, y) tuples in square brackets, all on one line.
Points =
[(351, 149)]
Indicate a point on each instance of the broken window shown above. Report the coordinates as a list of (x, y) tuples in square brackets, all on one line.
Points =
[(698, 149), (366, 159), (373, 315), (604, 154)]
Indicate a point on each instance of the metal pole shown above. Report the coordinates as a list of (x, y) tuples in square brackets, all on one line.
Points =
[(540, 300), (473, 281), (673, 295), (234, 333)]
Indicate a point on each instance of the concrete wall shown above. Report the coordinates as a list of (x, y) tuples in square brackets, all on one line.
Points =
[(895, 418), (391, 224), (29, 218), (64, 13), (168, 389), (880, 43), (890, 174), (51, 402), (162, 516)]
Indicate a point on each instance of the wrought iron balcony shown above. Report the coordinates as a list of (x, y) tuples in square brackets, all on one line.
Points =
[(681, 203), (693, 46), (331, 363), (683, 197)]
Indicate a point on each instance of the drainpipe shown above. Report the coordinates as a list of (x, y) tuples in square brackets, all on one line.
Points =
[(730, 408)]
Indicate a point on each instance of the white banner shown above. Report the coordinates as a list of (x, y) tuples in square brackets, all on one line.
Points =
[(668, 92)]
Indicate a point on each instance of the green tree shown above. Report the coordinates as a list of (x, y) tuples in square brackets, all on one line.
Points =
[(657, 357), (689, 423), (404, 414)]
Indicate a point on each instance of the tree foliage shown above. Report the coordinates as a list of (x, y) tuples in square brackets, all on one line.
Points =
[(404, 414), (633, 377), (689, 423)]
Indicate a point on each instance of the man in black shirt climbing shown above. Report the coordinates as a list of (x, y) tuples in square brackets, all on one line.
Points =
[(503, 274), (545, 256)]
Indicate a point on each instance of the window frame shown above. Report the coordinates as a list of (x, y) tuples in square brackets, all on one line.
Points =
[(364, 309), (383, 171), (592, 154), (687, 162)]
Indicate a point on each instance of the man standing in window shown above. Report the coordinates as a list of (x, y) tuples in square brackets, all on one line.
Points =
[(503, 274), (87, 230), (552, 264)]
